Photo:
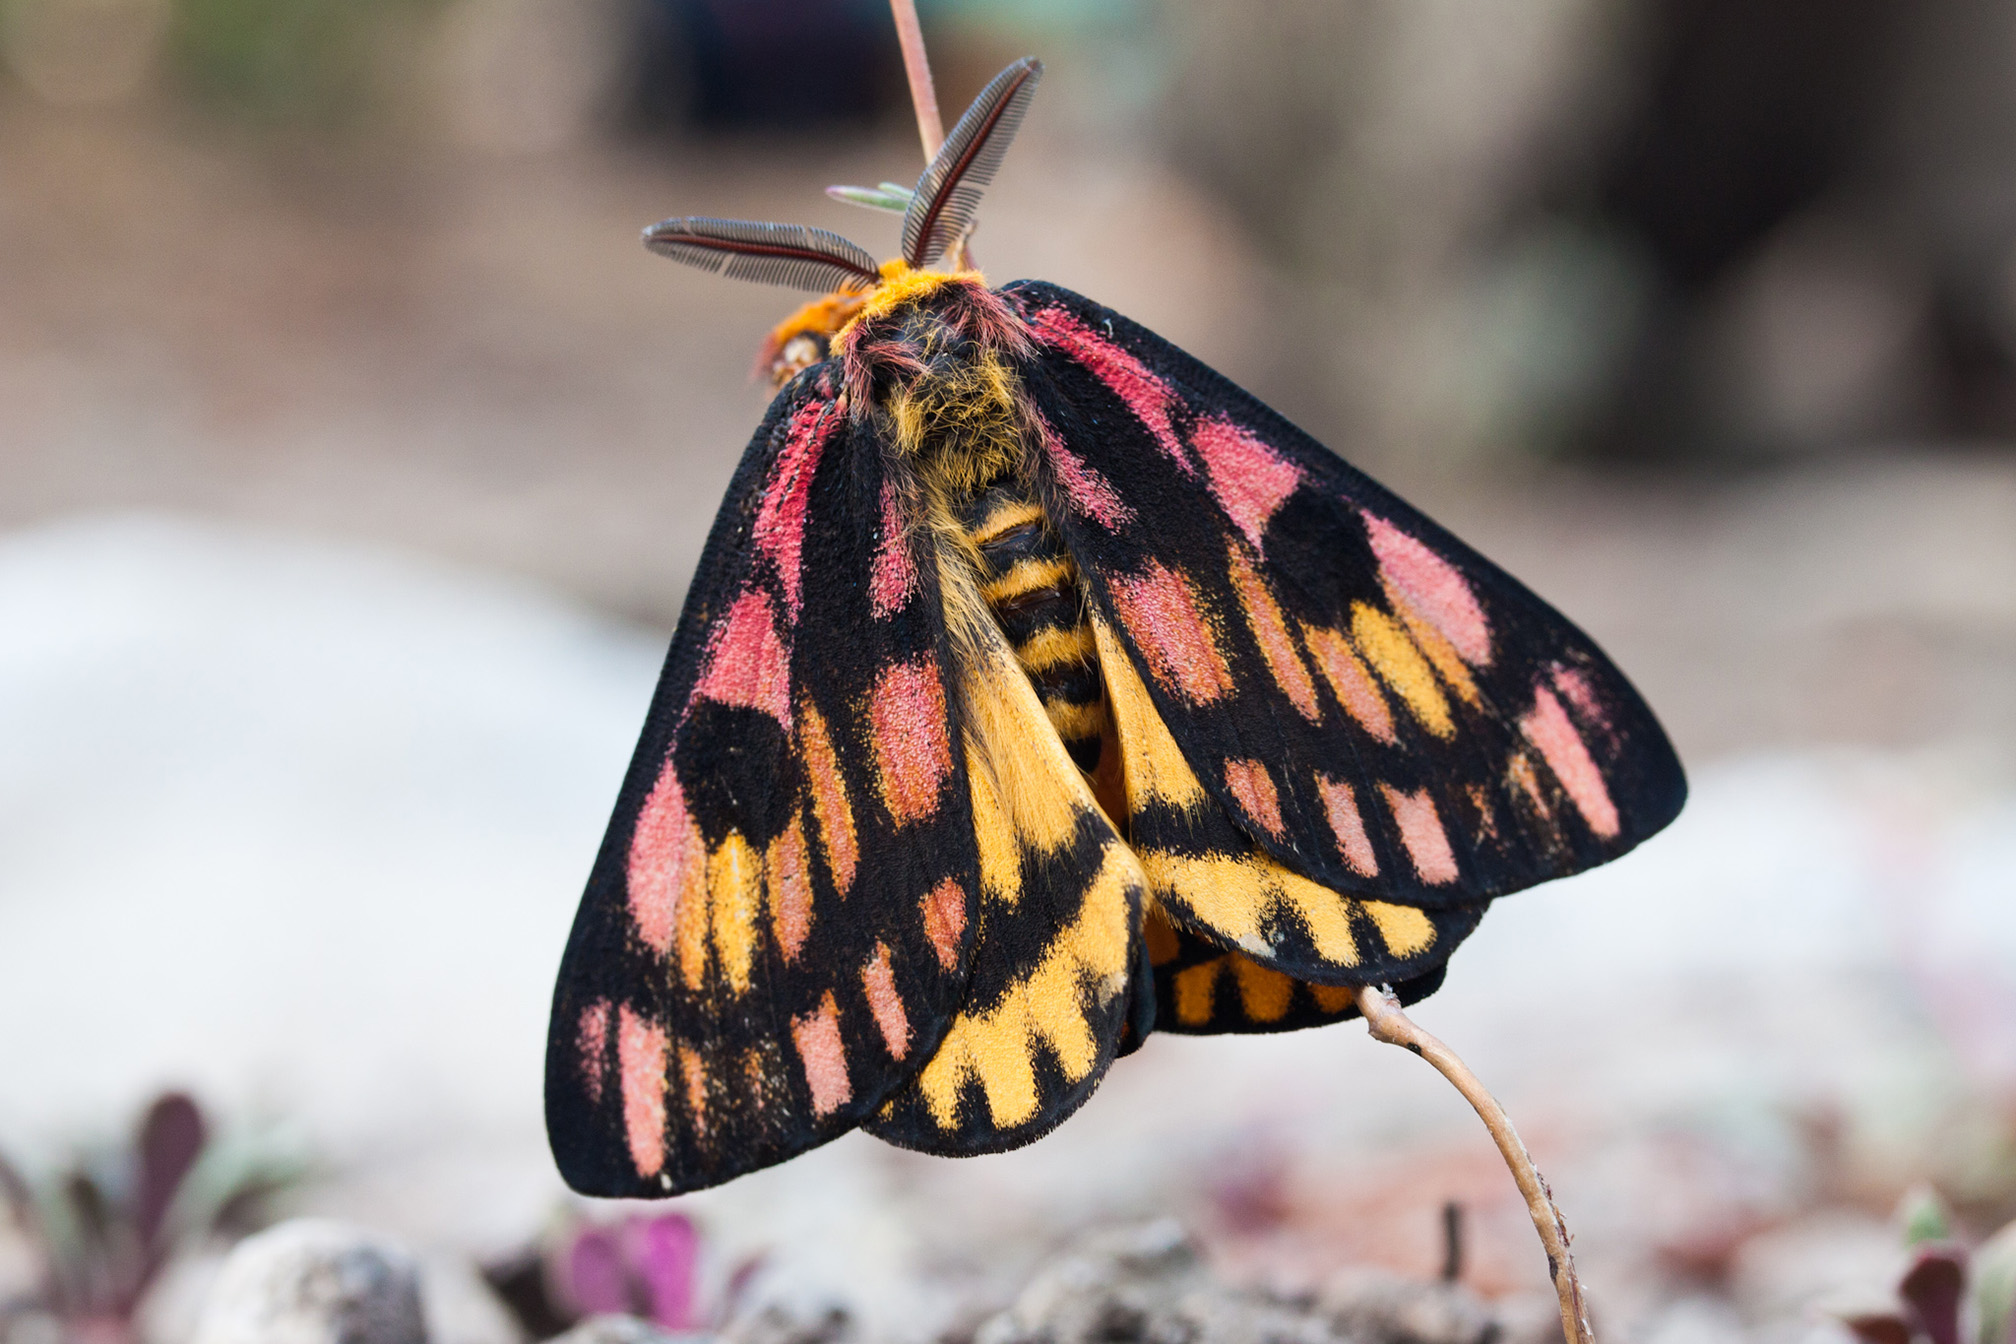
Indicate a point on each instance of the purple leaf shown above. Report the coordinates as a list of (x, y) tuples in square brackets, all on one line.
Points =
[(666, 1251), (171, 1137), (596, 1277), (1932, 1287)]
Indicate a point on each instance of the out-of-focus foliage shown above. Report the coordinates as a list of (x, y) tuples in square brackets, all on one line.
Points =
[(321, 62), (104, 1226)]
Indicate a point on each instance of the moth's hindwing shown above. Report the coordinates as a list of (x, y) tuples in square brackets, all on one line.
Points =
[(1203, 989), (1059, 937), (1381, 712), (777, 929)]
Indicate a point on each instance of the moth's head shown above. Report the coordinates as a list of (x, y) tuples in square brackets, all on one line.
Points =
[(938, 216)]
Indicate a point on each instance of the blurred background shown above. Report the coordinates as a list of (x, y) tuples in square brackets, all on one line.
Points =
[(354, 458)]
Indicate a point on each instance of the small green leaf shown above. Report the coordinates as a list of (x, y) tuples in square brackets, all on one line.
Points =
[(1995, 1288), (896, 189), (874, 198), (1924, 1216)]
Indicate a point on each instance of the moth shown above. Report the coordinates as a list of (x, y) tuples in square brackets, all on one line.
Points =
[(1040, 689)]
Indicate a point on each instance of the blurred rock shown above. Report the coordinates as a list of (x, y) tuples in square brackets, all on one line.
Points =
[(775, 1324), (461, 1308), (1145, 1283), (311, 1281), (1373, 1304)]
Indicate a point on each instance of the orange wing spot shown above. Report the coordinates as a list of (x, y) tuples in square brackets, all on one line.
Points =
[(1161, 611), (591, 1045), (1333, 998), (1434, 586), (1519, 771), (1548, 728), (817, 1036), (1263, 992), (1159, 933), (640, 1060), (1254, 788), (790, 887), (1195, 988), (747, 664), (1405, 930), (1487, 816), (913, 755), (735, 895), (1440, 652), (878, 981), (762, 1074), (1353, 685), (1340, 804), (1270, 631), (1421, 831), (1393, 652), (666, 878), (694, 1071), (945, 920), (829, 800)]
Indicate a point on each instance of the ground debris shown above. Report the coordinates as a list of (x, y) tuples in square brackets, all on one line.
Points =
[(1147, 1284)]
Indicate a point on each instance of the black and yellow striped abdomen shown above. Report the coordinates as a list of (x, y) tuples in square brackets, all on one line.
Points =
[(1033, 590)]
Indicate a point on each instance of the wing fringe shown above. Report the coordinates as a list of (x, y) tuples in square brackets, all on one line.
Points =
[(796, 255), (948, 194)]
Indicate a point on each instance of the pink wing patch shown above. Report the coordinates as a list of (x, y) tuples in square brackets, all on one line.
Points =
[(945, 920), (791, 890), (1146, 395), (1250, 479), (913, 753), (1160, 612), (1548, 728), (640, 1058), (779, 531), (824, 1054), (747, 664), (878, 982), (892, 579), (1091, 494), (1421, 832), (668, 862), (1575, 688), (591, 1043), (1340, 802), (1434, 588), (1258, 799)]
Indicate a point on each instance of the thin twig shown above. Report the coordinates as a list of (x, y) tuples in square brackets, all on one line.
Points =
[(1389, 1024), (924, 97)]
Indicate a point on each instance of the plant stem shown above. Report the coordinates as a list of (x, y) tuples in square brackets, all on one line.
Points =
[(923, 96), (1389, 1024)]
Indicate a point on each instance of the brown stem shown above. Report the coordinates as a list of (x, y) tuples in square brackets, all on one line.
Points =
[(923, 96), (1389, 1024)]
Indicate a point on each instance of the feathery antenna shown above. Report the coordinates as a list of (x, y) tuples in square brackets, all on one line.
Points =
[(773, 254), (948, 194)]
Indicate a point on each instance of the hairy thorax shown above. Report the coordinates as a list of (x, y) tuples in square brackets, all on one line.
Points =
[(936, 360)]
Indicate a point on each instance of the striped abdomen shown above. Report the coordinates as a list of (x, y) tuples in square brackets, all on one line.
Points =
[(1031, 585)]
